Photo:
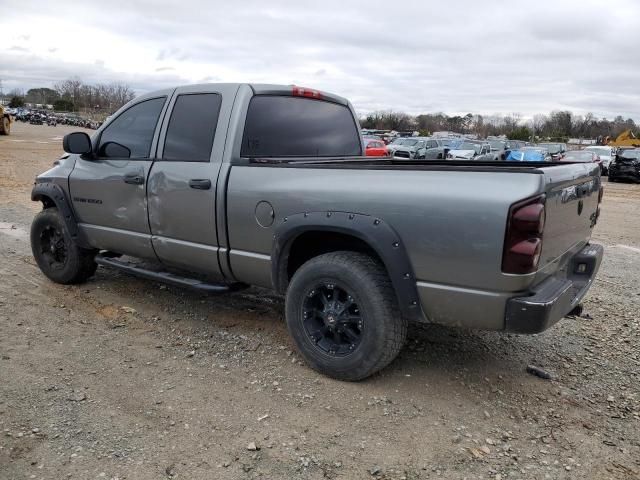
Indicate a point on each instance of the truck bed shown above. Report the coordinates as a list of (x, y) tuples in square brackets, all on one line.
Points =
[(451, 217)]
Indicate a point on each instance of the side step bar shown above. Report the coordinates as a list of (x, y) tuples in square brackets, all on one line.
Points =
[(108, 260)]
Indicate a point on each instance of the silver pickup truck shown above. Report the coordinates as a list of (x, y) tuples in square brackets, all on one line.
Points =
[(216, 187)]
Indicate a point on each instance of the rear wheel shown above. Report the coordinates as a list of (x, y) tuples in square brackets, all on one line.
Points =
[(5, 126), (343, 315), (55, 252)]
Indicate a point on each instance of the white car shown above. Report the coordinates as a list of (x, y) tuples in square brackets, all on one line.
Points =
[(606, 156), (471, 151)]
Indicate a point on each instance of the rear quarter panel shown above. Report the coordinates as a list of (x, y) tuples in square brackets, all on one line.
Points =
[(452, 223)]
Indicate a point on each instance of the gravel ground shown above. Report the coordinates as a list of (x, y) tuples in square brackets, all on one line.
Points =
[(122, 378)]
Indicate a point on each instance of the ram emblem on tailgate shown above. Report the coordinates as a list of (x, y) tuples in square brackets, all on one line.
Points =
[(578, 191)]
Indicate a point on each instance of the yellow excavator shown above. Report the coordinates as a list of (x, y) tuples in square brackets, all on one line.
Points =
[(5, 121), (625, 139)]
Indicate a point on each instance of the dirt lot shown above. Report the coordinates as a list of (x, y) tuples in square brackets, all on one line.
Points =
[(126, 378)]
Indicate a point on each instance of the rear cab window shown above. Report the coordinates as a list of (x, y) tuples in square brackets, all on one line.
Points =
[(286, 126)]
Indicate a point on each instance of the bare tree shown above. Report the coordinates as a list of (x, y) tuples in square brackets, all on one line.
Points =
[(100, 97)]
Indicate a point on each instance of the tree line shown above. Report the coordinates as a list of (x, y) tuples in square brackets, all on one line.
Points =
[(561, 124), (74, 95)]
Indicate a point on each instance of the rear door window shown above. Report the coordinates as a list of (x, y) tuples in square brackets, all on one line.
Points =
[(192, 127), (132, 129), (283, 126)]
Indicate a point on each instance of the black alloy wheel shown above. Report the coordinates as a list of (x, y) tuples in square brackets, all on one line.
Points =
[(332, 319), (53, 248), (57, 254)]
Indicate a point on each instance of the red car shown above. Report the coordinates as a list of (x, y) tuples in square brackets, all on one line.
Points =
[(375, 148)]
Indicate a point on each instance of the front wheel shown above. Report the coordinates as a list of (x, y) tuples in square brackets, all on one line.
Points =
[(55, 252), (343, 315)]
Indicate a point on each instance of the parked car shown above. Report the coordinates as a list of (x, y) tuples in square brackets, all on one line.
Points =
[(626, 166), (500, 148), (585, 156), (606, 155), (224, 185), (410, 148), (517, 144), (395, 143), (375, 148), (556, 150), (529, 154), (437, 148), (468, 150)]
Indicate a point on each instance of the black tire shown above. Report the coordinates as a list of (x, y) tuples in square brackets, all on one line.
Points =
[(6, 126), (55, 252), (381, 330)]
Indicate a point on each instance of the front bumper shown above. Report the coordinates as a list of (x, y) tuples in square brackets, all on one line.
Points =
[(556, 296), (615, 174), (403, 155)]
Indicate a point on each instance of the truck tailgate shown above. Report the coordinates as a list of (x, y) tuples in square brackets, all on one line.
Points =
[(572, 192)]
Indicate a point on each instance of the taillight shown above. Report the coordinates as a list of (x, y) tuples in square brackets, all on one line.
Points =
[(523, 238), (305, 92)]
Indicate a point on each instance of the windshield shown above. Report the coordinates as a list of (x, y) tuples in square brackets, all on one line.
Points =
[(630, 154), (600, 151), (469, 146), (497, 144), (579, 156), (409, 143)]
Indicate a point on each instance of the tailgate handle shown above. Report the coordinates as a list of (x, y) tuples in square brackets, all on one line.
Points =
[(200, 183), (582, 191)]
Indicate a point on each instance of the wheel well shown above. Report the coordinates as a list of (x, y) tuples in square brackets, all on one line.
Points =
[(47, 202), (311, 244)]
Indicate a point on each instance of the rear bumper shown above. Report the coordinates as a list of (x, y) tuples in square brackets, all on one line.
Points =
[(556, 296)]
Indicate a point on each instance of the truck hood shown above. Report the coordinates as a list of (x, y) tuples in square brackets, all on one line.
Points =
[(462, 153), (404, 148)]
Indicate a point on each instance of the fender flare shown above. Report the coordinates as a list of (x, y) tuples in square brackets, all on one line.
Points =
[(376, 233), (55, 194)]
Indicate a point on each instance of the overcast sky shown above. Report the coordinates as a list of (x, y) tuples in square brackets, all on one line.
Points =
[(455, 56)]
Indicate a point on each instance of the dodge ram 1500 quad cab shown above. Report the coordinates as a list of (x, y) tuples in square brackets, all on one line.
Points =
[(215, 187)]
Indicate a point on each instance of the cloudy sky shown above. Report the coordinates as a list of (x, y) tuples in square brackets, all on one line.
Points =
[(455, 56)]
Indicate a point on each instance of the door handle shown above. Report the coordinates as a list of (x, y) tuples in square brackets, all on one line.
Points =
[(200, 183), (133, 179)]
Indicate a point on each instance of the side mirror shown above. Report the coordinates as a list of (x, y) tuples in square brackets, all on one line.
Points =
[(77, 142)]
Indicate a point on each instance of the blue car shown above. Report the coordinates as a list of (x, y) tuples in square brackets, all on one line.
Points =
[(527, 155)]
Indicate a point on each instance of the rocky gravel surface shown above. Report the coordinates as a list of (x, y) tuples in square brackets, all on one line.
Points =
[(122, 378)]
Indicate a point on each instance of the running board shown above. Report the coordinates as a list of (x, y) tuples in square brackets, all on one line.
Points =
[(108, 260)]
